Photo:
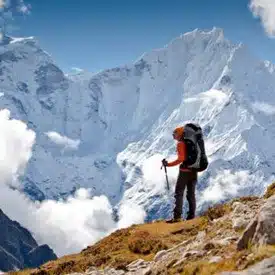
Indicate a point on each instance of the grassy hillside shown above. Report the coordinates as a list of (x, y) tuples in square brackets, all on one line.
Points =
[(144, 241)]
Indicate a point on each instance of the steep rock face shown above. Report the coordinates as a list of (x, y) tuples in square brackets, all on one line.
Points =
[(124, 116), (18, 249), (38, 92)]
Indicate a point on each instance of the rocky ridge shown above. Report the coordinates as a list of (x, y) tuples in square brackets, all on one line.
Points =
[(18, 249), (228, 239)]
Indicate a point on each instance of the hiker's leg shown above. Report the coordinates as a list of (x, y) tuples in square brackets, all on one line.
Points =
[(180, 186), (191, 196)]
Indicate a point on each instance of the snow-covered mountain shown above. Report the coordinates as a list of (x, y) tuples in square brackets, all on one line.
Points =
[(109, 131)]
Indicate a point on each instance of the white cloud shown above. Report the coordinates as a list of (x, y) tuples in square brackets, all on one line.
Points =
[(130, 214), (63, 141), (17, 6), (9, 9), (24, 9), (66, 225), (75, 223), (266, 108), (15, 147), (265, 10), (77, 70), (227, 185), (154, 177)]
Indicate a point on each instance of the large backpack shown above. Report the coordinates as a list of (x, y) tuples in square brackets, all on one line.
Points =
[(196, 156)]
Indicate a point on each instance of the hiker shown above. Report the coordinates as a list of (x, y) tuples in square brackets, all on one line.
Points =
[(187, 177)]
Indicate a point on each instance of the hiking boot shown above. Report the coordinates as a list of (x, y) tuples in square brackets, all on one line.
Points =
[(174, 220), (190, 218)]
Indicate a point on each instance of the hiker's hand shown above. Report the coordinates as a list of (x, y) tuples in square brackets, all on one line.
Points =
[(164, 162)]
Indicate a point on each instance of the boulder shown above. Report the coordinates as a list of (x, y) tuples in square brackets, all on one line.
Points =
[(261, 230), (265, 267)]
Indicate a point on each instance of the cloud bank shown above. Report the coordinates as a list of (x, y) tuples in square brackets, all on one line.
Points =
[(228, 184), (265, 10), (63, 141), (66, 225), (8, 9), (154, 177), (266, 108)]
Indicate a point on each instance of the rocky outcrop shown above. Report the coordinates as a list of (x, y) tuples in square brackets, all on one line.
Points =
[(39, 255), (241, 215), (207, 242), (18, 249), (265, 267), (261, 230)]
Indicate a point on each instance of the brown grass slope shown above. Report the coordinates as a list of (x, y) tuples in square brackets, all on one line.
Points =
[(143, 241)]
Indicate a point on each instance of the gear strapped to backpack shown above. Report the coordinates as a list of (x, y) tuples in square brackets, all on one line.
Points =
[(196, 156)]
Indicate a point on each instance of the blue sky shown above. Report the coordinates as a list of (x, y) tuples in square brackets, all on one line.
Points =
[(100, 34)]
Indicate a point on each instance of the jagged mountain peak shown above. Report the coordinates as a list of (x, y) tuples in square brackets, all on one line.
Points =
[(18, 248), (123, 117)]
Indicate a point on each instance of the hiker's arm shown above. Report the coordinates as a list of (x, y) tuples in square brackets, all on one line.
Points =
[(181, 148)]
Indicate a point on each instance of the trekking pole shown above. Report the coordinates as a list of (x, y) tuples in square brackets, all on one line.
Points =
[(167, 182)]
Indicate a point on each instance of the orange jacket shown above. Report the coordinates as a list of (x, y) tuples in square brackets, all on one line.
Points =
[(181, 150)]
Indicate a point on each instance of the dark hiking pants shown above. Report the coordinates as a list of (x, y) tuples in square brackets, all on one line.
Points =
[(185, 180)]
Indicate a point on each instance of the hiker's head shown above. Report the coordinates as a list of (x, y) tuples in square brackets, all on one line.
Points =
[(178, 133)]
